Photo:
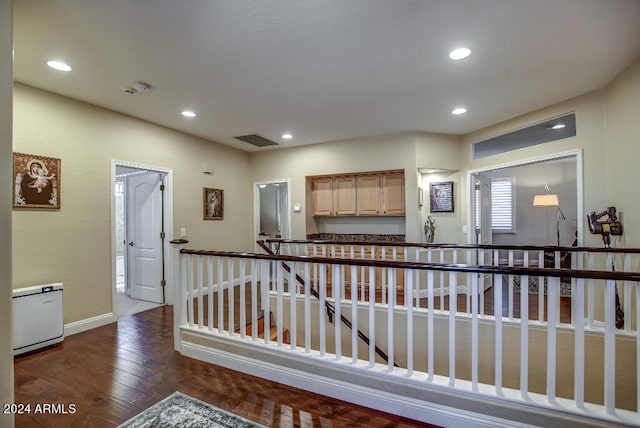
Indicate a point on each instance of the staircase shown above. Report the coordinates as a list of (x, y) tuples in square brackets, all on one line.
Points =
[(273, 331)]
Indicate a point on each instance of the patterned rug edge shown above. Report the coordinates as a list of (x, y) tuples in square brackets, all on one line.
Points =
[(148, 417)]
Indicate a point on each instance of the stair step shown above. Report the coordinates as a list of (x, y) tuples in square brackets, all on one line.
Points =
[(273, 330)]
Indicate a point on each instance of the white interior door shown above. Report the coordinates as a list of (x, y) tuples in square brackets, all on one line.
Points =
[(484, 231), (144, 241)]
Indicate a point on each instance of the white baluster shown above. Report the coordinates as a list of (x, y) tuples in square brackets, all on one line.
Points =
[(552, 314), (243, 303), (524, 330), (265, 288), (354, 315), (441, 281), (578, 390), (417, 279), (190, 294), (627, 294), (372, 315), (230, 296), (293, 307), (210, 292), (323, 309), (220, 291), (497, 304), (453, 307), (200, 302), (430, 329), (474, 333), (337, 298), (307, 308), (409, 298), (390, 315), (610, 347), (279, 309), (510, 280), (254, 299)]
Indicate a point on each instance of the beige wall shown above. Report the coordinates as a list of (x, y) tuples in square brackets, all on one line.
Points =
[(623, 149), (407, 151), (73, 245), (590, 138), (6, 319)]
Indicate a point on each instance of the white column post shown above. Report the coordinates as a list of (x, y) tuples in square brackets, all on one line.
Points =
[(179, 307)]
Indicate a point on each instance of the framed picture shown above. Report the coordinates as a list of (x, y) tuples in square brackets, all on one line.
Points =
[(212, 204), (441, 195), (36, 181)]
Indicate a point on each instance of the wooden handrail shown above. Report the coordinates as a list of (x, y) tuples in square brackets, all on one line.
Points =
[(504, 270), (545, 248), (330, 308)]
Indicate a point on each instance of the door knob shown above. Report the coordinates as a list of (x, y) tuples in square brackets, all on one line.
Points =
[(131, 244)]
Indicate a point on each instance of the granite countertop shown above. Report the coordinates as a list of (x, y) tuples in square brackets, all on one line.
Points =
[(356, 237)]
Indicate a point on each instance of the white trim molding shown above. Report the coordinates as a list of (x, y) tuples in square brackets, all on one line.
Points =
[(89, 323)]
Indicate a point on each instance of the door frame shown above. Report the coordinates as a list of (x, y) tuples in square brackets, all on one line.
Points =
[(168, 227), (577, 153), (256, 207)]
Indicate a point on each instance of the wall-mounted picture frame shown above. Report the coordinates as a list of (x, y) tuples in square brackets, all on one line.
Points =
[(212, 204), (36, 181), (441, 197)]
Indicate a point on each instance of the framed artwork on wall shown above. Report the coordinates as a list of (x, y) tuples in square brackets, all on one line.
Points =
[(441, 196), (212, 204), (36, 181)]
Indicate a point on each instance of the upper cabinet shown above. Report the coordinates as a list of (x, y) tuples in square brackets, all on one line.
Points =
[(344, 195), (364, 194), (368, 194), (393, 193), (323, 196)]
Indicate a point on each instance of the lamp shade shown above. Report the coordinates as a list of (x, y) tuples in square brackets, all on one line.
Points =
[(546, 201)]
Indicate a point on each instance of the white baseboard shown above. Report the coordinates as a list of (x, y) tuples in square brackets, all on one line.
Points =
[(377, 399), (89, 323)]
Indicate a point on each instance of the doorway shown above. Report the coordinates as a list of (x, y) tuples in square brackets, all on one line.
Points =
[(522, 223), (141, 215), (271, 216)]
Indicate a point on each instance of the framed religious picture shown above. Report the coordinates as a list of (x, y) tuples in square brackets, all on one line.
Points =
[(441, 195), (36, 181), (212, 204)]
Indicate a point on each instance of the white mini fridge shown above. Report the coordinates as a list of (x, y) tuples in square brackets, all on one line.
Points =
[(38, 319)]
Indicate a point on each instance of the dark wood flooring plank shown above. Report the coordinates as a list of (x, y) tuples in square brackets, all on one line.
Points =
[(114, 372)]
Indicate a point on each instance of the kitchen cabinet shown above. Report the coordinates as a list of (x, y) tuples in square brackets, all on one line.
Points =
[(368, 194), (323, 196), (344, 195), (393, 194), (362, 194)]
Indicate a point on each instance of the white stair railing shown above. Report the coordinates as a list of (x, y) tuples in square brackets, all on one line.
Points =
[(412, 331)]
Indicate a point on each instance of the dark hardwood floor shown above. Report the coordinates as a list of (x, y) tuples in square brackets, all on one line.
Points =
[(110, 374)]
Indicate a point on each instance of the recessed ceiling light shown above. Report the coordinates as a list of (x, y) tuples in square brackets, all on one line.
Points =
[(558, 126), (459, 110), (59, 65), (459, 53), (188, 113), (287, 136)]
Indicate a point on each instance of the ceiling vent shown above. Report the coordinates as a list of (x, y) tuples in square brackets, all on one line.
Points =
[(257, 140)]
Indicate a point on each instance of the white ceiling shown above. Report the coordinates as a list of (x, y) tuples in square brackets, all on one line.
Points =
[(324, 70)]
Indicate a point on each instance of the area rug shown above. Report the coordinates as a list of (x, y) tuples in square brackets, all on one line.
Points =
[(180, 410), (565, 287)]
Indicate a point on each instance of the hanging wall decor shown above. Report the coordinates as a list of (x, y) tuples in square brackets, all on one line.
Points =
[(441, 195), (36, 181), (213, 204)]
